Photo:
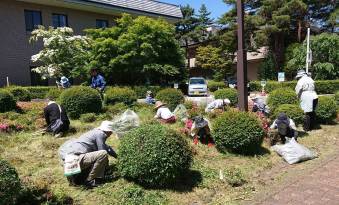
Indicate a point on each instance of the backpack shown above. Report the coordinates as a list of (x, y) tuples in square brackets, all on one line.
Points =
[(283, 129)]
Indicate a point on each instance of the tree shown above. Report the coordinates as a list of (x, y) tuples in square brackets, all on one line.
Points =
[(325, 57), (209, 57), (267, 69), (186, 29), (62, 53), (204, 22), (137, 50)]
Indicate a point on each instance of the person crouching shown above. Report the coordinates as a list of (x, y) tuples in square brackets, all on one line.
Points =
[(286, 127), (56, 119), (163, 113), (217, 104), (90, 153)]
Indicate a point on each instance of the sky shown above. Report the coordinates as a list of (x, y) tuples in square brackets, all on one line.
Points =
[(216, 7)]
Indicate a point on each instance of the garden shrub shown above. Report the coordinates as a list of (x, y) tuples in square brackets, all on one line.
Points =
[(239, 132), (38, 92), (117, 108), (281, 96), (171, 96), (53, 94), (293, 111), (153, 155), (326, 110), (235, 177), (120, 95), (80, 100), (20, 93), (229, 93), (336, 97), (10, 184), (141, 90), (215, 85), (88, 117), (7, 101)]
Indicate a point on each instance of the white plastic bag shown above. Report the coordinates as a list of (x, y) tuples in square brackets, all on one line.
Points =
[(293, 152), (181, 112), (125, 122)]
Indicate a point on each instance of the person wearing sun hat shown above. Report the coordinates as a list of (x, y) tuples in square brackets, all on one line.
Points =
[(64, 83), (285, 127), (92, 153), (259, 104), (163, 113), (305, 89), (217, 104)]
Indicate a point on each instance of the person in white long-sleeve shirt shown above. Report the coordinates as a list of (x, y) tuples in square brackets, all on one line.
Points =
[(163, 113), (285, 126), (305, 90), (217, 104)]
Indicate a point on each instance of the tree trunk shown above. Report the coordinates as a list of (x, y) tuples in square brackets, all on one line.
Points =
[(187, 55), (278, 50), (299, 31)]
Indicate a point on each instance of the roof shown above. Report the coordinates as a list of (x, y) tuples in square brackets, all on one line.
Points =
[(150, 6)]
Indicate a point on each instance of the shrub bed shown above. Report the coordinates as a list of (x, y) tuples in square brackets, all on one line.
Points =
[(80, 100), (20, 93), (153, 155), (120, 95), (53, 94), (10, 184), (321, 86), (326, 110), (239, 132), (215, 85), (336, 97), (293, 111), (7, 101), (281, 96), (141, 90), (38, 92), (171, 96), (229, 93), (88, 117)]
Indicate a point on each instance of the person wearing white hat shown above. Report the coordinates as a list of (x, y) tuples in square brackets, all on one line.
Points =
[(163, 113), (305, 90), (217, 104), (64, 83), (91, 152)]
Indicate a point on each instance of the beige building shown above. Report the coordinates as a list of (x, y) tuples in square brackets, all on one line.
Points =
[(19, 17)]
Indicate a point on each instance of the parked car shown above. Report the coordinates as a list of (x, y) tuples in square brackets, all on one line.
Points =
[(197, 86)]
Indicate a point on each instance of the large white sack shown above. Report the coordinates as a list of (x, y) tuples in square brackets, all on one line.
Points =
[(293, 152), (125, 122)]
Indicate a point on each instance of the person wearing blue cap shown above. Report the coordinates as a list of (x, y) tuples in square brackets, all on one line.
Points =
[(305, 90), (286, 127), (64, 83)]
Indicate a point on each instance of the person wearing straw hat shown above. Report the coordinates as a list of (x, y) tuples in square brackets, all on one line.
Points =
[(163, 113), (91, 153), (217, 104), (305, 89)]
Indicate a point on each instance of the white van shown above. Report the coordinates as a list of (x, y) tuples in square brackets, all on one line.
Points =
[(197, 86)]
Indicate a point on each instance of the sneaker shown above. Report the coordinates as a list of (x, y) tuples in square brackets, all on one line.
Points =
[(91, 184), (60, 134)]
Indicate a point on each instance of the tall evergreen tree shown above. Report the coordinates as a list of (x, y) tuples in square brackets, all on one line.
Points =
[(204, 21)]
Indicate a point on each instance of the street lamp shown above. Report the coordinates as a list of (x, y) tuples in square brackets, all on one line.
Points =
[(241, 60)]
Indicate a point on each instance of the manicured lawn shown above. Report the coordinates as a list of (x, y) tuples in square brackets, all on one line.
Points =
[(36, 159)]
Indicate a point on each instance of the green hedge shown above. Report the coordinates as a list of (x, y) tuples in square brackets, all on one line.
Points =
[(326, 110), (322, 86), (171, 96), (281, 96), (293, 111), (120, 95), (10, 185), (39, 91), (7, 101), (20, 93), (229, 93), (141, 90), (215, 85)]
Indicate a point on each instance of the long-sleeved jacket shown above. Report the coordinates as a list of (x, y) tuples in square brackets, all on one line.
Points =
[(98, 82), (90, 141), (305, 90), (52, 113)]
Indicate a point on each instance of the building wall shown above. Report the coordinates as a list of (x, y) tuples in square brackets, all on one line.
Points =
[(15, 49)]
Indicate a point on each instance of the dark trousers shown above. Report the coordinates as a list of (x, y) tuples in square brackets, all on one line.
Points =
[(310, 117)]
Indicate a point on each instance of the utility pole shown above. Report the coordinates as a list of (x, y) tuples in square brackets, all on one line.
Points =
[(241, 60), (308, 52)]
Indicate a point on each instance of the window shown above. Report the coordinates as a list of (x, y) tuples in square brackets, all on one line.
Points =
[(59, 20), (102, 23), (32, 19)]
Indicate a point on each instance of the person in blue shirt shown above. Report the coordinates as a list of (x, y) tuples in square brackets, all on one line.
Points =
[(98, 81), (150, 98)]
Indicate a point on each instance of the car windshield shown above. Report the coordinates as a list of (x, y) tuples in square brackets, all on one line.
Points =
[(197, 81)]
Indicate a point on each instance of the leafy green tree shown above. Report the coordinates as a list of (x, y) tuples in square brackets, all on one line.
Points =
[(325, 57), (267, 69), (204, 22), (137, 50), (63, 53), (186, 29), (209, 57)]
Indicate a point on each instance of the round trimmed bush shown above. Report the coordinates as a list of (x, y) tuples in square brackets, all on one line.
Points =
[(7, 101), (281, 96), (229, 93), (293, 111), (326, 110), (20, 94), (239, 132), (171, 96), (10, 185), (80, 100), (53, 94), (215, 85), (120, 95), (153, 155)]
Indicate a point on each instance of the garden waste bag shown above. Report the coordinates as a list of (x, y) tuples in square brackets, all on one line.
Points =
[(293, 152), (125, 122), (181, 112)]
